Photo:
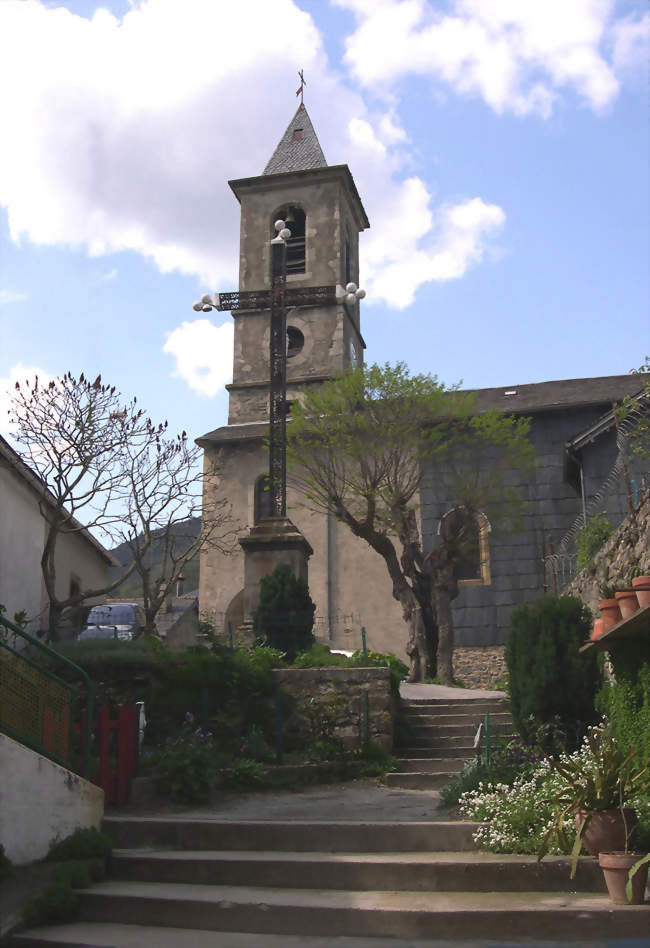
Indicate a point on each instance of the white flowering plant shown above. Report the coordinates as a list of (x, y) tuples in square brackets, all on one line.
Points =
[(536, 813), (515, 818)]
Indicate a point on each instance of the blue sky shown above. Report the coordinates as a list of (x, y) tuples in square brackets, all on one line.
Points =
[(500, 148)]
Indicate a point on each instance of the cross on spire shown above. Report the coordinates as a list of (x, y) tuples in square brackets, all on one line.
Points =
[(303, 83)]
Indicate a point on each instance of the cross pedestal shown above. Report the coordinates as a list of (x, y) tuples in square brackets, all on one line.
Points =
[(272, 541)]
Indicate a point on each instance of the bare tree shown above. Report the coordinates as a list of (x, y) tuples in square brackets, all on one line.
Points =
[(364, 445), (105, 468), (165, 496)]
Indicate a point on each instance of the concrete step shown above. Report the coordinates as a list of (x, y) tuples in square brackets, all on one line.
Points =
[(445, 706), (452, 743), (431, 765), (408, 780), (424, 749), (426, 717), (335, 912), (416, 871), (442, 731), (97, 935), (295, 836)]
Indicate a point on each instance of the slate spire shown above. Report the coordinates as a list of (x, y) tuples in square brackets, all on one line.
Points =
[(299, 148)]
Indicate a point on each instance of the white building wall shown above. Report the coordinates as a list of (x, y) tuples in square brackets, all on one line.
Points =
[(41, 801), (22, 532), (22, 537)]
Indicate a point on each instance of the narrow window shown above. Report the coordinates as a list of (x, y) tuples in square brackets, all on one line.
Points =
[(295, 219), (466, 532), (295, 341), (263, 507)]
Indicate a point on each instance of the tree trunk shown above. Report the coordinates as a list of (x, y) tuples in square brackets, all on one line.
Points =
[(445, 634), (444, 588)]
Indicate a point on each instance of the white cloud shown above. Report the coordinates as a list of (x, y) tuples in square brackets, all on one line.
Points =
[(517, 55), (203, 354), (460, 237), (10, 296), (109, 276), (120, 134), (18, 373)]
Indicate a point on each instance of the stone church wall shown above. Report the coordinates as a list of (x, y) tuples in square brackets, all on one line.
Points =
[(482, 612)]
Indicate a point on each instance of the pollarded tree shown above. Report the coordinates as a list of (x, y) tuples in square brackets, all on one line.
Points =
[(106, 469), (363, 445)]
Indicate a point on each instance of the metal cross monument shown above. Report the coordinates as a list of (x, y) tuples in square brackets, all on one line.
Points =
[(277, 299)]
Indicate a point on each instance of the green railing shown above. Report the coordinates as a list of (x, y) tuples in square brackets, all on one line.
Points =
[(38, 707)]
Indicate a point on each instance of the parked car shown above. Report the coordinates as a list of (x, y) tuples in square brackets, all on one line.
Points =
[(114, 620)]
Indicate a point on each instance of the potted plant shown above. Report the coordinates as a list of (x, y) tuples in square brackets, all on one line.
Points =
[(608, 605), (597, 785), (641, 586)]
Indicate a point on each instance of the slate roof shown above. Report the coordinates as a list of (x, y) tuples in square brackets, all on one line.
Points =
[(549, 396), (299, 148), (514, 399)]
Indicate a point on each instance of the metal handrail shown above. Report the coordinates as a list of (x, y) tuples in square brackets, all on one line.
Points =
[(28, 659), (481, 730)]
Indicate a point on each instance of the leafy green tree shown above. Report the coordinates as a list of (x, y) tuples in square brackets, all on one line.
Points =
[(552, 686), (284, 618), (362, 446)]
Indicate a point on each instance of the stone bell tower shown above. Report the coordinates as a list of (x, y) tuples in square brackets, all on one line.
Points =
[(323, 211)]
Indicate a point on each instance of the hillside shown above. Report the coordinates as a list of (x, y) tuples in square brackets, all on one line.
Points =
[(186, 532)]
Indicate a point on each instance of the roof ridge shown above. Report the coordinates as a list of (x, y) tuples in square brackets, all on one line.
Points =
[(299, 148)]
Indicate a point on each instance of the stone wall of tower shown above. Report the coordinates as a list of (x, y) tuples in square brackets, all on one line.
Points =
[(348, 581)]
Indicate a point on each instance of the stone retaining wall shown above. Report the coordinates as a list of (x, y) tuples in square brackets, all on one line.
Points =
[(479, 667), (322, 686)]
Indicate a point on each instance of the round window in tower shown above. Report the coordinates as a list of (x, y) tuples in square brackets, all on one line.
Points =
[(295, 341)]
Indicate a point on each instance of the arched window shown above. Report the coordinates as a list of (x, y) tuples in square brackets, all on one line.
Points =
[(263, 505), (295, 219), (467, 534)]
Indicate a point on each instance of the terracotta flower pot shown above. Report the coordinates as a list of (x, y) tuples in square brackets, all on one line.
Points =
[(607, 830), (609, 612), (641, 586), (627, 602), (599, 628), (616, 867)]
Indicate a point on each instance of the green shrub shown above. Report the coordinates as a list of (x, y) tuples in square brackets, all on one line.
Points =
[(626, 703), (6, 866), (79, 873), (228, 691), (87, 843), (187, 763), (551, 684), (590, 538), (374, 761), (247, 774), (57, 903), (284, 618)]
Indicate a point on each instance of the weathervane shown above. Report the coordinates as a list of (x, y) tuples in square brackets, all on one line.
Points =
[(303, 83)]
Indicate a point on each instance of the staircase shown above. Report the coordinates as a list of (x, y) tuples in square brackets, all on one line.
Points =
[(239, 884), (441, 738)]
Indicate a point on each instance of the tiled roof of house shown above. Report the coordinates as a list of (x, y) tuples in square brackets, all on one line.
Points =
[(299, 148)]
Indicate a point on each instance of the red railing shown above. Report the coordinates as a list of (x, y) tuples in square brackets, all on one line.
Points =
[(115, 742)]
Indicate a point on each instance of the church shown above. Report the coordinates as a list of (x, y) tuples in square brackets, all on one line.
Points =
[(572, 428)]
